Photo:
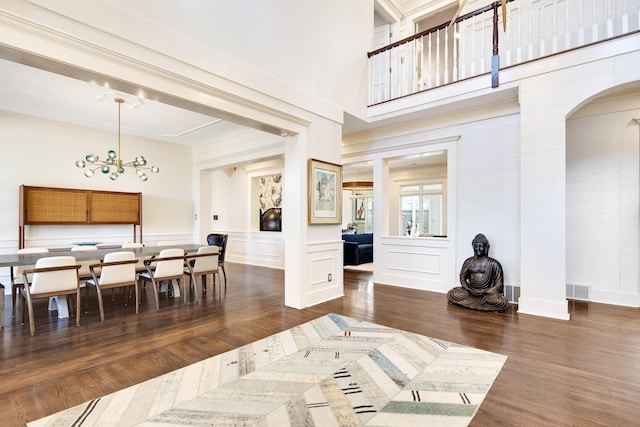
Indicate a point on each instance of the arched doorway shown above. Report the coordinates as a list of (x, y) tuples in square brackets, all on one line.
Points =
[(603, 195)]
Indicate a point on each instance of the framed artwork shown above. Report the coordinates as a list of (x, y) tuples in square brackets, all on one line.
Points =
[(358, 209), (325, 192)]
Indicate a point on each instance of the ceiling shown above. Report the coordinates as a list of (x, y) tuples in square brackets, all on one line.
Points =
[(35, 92)]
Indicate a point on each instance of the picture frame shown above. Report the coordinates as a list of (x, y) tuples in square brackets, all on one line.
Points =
[(324, 192), (359, 209)]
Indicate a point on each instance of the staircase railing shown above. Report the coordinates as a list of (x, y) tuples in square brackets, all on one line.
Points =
[(476, 44)]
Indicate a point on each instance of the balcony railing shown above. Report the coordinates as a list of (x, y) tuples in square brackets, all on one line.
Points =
[(476, 43)]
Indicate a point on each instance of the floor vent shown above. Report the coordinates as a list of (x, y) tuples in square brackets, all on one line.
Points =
[(579, 292), (512, 293)]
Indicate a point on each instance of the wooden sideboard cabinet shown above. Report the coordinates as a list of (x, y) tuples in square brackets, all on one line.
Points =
[(60, 206)]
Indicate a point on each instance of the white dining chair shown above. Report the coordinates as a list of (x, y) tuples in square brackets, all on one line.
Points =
[(116, 270), (201, 264), (17, 282), (52, 277), (163, 270)]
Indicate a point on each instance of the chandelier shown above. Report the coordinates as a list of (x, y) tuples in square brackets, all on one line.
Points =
[(113, 164)]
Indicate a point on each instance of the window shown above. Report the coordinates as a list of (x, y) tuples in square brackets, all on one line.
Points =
[(421, 209)]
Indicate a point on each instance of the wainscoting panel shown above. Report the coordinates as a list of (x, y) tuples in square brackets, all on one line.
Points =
[(408, 262), (322, 270), (237, 248), (268, 251), (415, 262), (325, 272), (265, 249)]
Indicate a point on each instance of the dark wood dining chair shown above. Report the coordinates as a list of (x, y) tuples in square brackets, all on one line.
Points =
[(220, 240)]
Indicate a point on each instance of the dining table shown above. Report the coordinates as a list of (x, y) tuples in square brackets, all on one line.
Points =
[(60, 304)]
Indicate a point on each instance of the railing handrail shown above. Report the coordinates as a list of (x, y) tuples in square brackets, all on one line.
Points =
[(442, 26), (470, 45)]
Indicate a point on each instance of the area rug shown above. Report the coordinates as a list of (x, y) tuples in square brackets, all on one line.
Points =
[(331, 371), (361, 267)]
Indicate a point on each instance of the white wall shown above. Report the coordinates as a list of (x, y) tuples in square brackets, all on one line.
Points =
[(236, 205), (43, 153), (230, 200), (488, 191), (483, 190), (602, 199)]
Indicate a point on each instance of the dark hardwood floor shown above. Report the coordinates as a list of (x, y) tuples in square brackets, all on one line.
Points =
[(582, 372)]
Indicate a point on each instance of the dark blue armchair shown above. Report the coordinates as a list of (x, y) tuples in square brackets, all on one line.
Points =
[(358, 248)]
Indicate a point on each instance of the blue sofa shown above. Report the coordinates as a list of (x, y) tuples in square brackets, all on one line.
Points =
[(358, 248)]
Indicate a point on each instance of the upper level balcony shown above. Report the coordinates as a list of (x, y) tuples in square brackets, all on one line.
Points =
[(480, 45)]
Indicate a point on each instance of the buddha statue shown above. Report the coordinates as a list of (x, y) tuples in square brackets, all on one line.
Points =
[(481, 280)]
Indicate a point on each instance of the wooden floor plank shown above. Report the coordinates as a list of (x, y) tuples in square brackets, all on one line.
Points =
[(584, 372)]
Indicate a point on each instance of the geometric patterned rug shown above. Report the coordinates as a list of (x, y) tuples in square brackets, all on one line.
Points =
[(331, 371)]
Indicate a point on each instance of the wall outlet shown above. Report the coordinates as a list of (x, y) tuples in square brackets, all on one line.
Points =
[(215, 217), (329, 277)]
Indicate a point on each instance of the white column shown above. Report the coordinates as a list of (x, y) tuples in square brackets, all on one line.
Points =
[(380, 208), (543, 207), (294, 215)]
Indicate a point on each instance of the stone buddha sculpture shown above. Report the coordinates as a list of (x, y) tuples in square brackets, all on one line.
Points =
[(481, 280)]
